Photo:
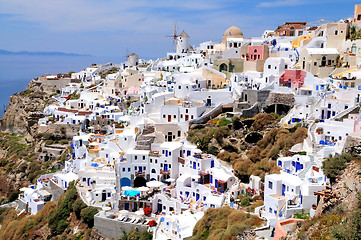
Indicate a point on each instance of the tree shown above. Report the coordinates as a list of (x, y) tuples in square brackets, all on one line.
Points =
[(261, 120), (78, 205), (87, 214), (333, 166)]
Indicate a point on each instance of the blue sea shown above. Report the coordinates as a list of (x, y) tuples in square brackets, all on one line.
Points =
[(16, 71)]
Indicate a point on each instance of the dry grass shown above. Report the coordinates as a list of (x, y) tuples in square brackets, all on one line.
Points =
[(23, 228), (224, 223)]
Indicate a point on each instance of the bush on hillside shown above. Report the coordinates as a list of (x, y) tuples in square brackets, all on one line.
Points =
[(262, 120), (58, 219), (78, 205), (333, 166), (87, 214)]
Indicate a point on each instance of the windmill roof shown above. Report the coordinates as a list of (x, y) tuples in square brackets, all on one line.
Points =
[(184, 34)]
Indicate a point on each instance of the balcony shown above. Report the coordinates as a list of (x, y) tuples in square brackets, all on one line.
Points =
[(181, 160), (139, 174), (164, 172), (94, 150), (154, 154)]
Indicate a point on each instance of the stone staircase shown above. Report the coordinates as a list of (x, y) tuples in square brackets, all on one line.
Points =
[(145, 140)]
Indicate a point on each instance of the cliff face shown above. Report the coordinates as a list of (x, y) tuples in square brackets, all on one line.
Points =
[(338, 214), (20, 142), (19, 118)]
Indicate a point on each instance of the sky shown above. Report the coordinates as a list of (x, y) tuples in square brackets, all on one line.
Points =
[(118, 27)]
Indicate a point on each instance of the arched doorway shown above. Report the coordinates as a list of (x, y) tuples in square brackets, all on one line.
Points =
[(125, 182), (323, 62), (139, 182), (104, 195), (223, 67)]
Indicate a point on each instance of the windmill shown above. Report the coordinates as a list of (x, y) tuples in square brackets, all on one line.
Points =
[(318, 23), (127, 53), (174, 36)]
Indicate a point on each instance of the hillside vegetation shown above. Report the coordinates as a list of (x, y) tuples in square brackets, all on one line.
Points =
[(54, 221), (250, 145), (338, 214), (19, 164), (224, 223)]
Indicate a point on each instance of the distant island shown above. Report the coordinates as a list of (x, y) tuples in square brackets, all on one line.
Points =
[(39, 53)]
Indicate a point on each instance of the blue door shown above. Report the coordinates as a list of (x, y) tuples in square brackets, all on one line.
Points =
[(126, 206), (66, 184), (165, 167), (298, 166), (197, 196), (88, 181), (212, 163), (188, 153), (194, 165), (283, 189), (216, 183), (125, 182), (140, 169), (211, 179)]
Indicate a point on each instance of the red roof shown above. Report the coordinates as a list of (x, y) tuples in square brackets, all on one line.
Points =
[(67, 110)]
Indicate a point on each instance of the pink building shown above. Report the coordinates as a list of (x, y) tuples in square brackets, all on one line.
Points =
[(257, 52), (356, 118), (293, 78)]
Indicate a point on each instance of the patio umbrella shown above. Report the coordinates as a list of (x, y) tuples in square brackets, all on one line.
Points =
[(155, 184), (143, 189)]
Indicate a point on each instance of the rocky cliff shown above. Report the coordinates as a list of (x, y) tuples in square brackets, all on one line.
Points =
[(19, 117), (20, 142)]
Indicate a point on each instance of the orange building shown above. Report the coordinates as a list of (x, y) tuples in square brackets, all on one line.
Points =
[(291, 29), (357, 13)]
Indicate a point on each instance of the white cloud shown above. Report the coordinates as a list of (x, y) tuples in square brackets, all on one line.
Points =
[(282, 3), (141, 25)]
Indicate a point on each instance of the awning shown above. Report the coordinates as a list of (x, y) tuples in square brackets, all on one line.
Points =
[(44, 193), (339, 75)]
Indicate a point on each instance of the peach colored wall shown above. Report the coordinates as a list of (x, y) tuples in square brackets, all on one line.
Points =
[(357, 12), (279, 231)]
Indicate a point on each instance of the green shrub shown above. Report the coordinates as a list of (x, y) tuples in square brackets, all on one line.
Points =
[(334, 166), (49, 142), (87, 214), (78, 205), (58, 219), (245, 201), (63, 141), (14, 196)]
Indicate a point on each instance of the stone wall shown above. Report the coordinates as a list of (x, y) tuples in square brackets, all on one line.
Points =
[(280, 98), (112, 228)]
